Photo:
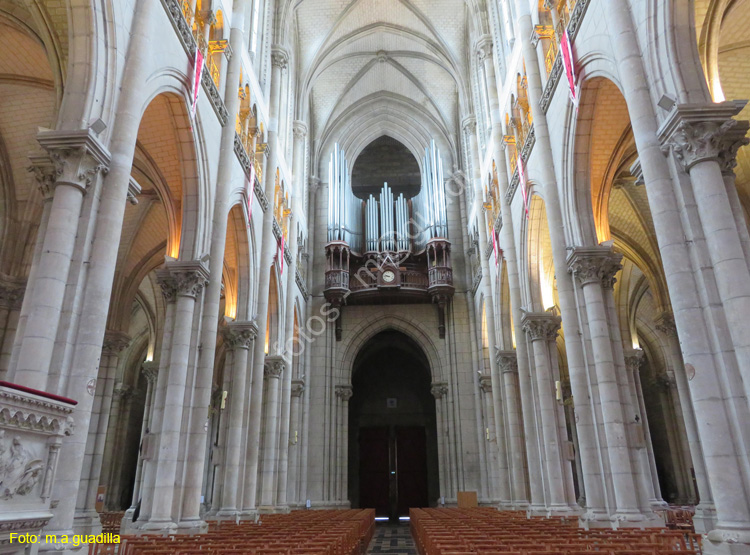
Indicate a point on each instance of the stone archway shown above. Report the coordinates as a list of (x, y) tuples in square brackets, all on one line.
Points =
[(392, 443)]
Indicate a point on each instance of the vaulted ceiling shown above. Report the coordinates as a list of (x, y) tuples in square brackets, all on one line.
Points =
[(361, 59)]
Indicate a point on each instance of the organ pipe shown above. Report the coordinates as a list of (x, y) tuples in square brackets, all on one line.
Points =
[(430, 208), (344, 209)]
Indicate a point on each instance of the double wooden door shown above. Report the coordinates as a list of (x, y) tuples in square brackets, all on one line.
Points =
[(393, 469)]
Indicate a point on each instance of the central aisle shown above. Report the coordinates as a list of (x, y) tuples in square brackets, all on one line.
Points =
[(393, 539)]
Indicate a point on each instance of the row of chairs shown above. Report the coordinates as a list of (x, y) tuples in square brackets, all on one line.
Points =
[(298, 533), (484, 531), (111, 521)]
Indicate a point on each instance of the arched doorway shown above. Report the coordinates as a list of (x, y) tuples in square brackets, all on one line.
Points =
[(393, 453)]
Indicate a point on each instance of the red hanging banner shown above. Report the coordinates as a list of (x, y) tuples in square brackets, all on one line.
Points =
[(570, 71), (250, 195), (494, 244), (197, 76), (522, 184)]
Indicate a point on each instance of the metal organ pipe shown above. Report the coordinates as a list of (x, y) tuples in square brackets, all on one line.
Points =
[(430, 207), (344, 209)]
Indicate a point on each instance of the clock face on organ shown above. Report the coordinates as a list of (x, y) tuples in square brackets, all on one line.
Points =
[(389, 276)]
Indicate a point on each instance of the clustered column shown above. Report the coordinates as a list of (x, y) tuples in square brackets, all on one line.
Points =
[(239, 337), (184, 280), (542, 329)]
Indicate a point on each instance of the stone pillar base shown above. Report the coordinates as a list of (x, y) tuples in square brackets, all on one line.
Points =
[(591, 520), (87, 523), (727, 542), (154, 527), (558, 510), (705, 518), (192, 527)]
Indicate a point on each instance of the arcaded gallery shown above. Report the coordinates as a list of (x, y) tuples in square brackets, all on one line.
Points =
[(351, 277)]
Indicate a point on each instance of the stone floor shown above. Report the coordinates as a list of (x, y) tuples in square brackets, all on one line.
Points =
[(393, 539)]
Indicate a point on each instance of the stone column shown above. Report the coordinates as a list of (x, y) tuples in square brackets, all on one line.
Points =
[(705, 512), (189, 279), (439, 391), (507, 362), (279, 62), (300, 135), (343, 394), (102, 259), (687, 293), (150, 371), (294, 477), (193, 481), (150, 440), (584, 409), (642, 434), (273, 370), (591, 267), (239, 337), (11, 297), (45, 173), (114, 343), (705, 141), (542, 329), (728, 163), (497, 451), (470, 129), (79, 158)]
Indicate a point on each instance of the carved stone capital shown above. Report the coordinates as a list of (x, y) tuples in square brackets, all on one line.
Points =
[(298, 388), (483, 48), (45, 174), (469, 125), (485, 383), (78, 157), (168, 285), (279, 57), (666, 325), (150, 371), (11, 292), (314, 183), (634, 359), (122, 392), (274, 367), (240, 335), (299, 128), (637, 171), (344, 392), (699, 133), (115, 342), (189, 277), (439, 390), (595, 265), (507, 361), (541, 326)]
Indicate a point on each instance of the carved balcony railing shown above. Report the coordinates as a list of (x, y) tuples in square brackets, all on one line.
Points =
[(178, 16), (577, 12)]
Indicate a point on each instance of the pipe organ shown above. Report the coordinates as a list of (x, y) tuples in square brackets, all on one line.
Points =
[(388, 249)]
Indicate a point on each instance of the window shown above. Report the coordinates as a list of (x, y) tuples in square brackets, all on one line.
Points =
[(255, 27)]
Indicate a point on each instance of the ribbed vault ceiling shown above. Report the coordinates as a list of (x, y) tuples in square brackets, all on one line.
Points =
[(351, 51)]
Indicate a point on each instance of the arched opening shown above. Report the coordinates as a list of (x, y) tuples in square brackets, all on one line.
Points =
[(386, 160), (393, 453), (607, 190)]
